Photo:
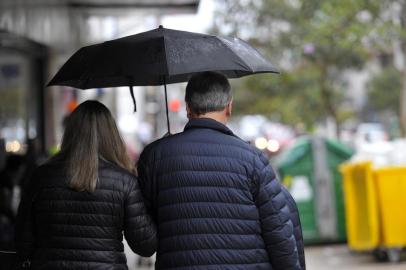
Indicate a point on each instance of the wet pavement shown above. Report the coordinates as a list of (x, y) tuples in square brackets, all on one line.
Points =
[(340, 257), (330, 257)]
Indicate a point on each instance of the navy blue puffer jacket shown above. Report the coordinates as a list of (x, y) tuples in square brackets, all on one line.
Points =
[(217, 202)]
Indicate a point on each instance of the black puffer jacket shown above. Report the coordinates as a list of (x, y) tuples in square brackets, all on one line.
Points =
[(59, 228), (217, 202)]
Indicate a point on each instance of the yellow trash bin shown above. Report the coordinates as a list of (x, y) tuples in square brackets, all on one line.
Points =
[(360, 206), (391, 190), (375, 203)]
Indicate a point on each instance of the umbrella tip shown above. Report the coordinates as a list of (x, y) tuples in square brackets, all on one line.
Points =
[(160, 26)]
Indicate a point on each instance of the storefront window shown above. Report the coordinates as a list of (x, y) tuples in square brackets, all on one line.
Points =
[(14, 86)]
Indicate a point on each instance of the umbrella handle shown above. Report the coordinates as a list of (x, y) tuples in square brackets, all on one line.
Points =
[(130, 83), (133, 98)]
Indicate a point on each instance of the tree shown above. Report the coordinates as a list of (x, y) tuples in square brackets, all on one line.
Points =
[(384, 91), (288, 97), (318, 40), (389, 39), (401, 37)]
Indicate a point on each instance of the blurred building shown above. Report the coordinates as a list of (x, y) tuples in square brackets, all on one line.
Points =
[(38, 36)]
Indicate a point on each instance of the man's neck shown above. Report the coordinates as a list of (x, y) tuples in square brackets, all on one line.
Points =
[(218, 116)]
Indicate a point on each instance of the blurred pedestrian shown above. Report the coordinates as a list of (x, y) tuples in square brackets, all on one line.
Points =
[(216, 198), (32, 159), (79, 203), (9, 178)]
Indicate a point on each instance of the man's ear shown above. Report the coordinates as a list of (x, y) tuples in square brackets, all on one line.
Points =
[(229, 108)]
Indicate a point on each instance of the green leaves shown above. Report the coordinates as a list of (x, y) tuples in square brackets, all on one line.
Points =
[(290, 97), (384, 90), (314, 42)]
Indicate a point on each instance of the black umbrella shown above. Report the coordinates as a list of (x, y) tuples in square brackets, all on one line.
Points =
[(159, 57)]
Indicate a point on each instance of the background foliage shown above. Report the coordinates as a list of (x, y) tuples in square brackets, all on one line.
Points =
[(316, 43)]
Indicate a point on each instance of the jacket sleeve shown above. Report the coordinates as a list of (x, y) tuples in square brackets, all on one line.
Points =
[(139, 228), (24, 229), (275, 217), (147, 181), (297, 227)]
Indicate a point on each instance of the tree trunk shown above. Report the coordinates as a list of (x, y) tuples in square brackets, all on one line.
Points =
[(327, 100), (402, 105)]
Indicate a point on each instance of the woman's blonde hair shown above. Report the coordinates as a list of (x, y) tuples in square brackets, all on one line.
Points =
[(90, 134)]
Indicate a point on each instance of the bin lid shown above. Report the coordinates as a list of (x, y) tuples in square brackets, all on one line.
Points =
[(302, 147), (339, 149), (292, 154)]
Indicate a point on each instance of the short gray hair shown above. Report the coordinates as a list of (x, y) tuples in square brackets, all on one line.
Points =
[(208, 92)]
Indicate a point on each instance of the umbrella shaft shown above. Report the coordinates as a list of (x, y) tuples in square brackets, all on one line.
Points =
[(166, 106)]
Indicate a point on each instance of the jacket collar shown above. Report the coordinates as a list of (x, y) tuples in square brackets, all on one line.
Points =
[(208, 123)]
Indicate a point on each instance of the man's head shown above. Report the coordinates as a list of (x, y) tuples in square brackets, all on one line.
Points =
[(208, 94)]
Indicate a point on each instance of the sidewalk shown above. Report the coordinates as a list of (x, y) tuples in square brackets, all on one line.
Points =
[(331, 257), (339, 257)]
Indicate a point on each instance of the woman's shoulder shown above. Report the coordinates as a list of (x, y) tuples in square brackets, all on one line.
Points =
[(50, 166), (113, 177), (47, 174), (111, 170)]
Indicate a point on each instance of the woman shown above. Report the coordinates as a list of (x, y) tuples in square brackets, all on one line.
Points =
[(78, 205)]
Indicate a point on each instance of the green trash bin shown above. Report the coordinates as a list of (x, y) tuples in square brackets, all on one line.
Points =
[(310, 171)]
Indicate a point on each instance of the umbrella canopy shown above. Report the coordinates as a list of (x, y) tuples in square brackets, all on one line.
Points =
[(159, 57)]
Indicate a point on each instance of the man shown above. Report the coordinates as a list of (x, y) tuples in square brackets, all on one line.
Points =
[(215, 198)]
